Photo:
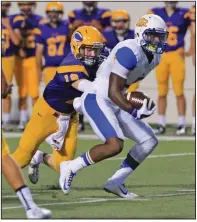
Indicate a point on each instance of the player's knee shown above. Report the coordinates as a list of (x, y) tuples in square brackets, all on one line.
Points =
[(115, 145), (178, 89), (150, 145), (163, 90)]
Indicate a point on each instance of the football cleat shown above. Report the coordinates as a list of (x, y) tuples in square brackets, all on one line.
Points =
[(118, 189), (181, 130), (6, 126), (38, 213), (66, 176), (33, 170), (193, 130), (160, 129), (21, 126)]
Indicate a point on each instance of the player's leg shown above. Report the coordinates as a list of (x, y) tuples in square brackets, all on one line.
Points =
[(53, 160), (14, 177), (49, 73), (177, 70), (32, 79), (145, 139), (8, 68), (193, 131), (21, 79), (162, 77), (41, 125), (81, 126), (133, 87), (106, 127)]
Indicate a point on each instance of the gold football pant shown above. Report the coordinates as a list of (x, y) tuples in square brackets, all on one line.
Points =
[(5, 148), (133, 87), (43, 123), (49, 73)]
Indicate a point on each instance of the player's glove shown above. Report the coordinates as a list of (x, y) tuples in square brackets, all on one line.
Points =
[(143, 112), (77, 105)]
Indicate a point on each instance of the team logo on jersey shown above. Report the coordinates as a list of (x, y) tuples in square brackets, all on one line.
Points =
[(78, 37)]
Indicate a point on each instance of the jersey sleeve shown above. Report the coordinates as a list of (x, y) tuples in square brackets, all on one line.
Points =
[(125, 60), (187, 17), (71, 73), (39, 37), (106, 18), (71, 16)]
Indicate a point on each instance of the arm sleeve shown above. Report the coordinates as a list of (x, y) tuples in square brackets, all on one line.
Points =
[(85, 85), (71, 17), (39, 38), (125, 61)]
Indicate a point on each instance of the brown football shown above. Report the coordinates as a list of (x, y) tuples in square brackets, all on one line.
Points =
[(137, 98)]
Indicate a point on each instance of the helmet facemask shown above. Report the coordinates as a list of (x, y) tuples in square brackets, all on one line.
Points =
[(54, 16), (120, 26), (27, 9), (154, 40), (89, 54), (89, 6), (171, 4)]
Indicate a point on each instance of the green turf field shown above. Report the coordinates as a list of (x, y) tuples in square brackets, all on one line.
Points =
[(165, 183)]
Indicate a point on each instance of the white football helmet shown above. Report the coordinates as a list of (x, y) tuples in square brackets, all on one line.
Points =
[(151, 33)]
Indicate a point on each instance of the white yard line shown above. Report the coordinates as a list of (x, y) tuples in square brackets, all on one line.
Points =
[(14, 196), (159, 156), (100, 200), (93, 137), (187, 190), (94, 200)]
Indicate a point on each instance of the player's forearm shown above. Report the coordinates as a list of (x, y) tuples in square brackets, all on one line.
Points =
[(116, 86), (118, 98), (14, 38), (3, 83), (83, 85)]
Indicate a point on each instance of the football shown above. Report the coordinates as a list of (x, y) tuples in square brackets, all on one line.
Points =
[(136, 99)]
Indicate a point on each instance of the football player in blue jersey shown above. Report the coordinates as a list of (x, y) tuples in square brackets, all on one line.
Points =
[(54, 118)]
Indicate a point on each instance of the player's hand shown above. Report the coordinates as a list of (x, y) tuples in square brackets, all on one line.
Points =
[(6, 22), (22, 53), (188, 53), (143, 112), (7, 91), (77, 105)]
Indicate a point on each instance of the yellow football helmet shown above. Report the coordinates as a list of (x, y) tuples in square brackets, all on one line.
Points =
[(27, 7), (87, 37), (54, 7), (120, 21)]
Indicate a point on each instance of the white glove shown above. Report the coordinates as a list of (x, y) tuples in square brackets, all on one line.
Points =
[(143, 112), (77, 105)]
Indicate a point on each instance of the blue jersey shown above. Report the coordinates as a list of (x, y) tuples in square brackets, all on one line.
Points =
[(177, 24), (9, 45), (59, 93), (100, 14), (28, 28), (54, 40), (112, 40)]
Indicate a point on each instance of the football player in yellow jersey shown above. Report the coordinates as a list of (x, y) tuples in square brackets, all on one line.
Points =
[(11, 169), (54, 118), (8, 58), (25, 67), (52, 43), (172, 63), (191, 52)]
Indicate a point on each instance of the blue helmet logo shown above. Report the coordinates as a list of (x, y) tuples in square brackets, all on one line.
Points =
[(78, 37)]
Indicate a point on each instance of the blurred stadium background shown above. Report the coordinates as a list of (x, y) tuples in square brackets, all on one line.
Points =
[(135, 9)]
